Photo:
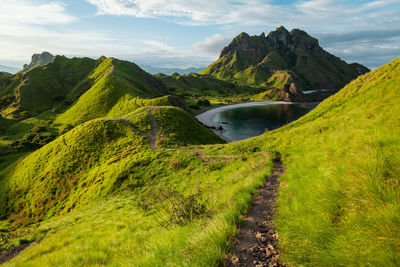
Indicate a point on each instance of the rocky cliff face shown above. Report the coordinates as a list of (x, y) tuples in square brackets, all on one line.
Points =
[(38, 60), (253, 60)]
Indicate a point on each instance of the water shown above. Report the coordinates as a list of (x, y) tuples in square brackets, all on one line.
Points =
[(243, 122)]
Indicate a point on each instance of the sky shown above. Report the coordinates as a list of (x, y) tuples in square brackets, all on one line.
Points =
[(191, 33)]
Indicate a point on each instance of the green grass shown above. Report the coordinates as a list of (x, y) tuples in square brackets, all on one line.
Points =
[(339, 198), (96, 195), (100, 181)]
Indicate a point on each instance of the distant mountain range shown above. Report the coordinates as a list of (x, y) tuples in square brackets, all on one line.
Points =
[(169, 71), (282, 60), (9, 69)]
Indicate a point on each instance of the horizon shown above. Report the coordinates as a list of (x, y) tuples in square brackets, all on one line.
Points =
[(176, 35)]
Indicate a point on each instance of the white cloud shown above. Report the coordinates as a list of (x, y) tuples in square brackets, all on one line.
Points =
[(30, 13), (212, 45), (28, 27), (327, 14), (156, 46)]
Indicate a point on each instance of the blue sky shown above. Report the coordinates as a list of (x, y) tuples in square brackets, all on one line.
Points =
[(178, 33)]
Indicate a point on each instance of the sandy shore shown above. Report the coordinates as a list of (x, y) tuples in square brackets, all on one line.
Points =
[(208, 116)]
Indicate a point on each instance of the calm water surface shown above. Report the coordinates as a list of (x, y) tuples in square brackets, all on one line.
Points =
[(245, 122)]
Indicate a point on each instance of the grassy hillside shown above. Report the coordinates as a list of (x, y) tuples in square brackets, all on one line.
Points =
[(45, 101), (203, 85), (115, 91), (107, 183), (44, 88), (82, 86), (195, 89), (339, 199), (46, 181), (128, 191)]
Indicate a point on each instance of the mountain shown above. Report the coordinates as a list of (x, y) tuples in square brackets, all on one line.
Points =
[(288, 61), (82, 87), (8, 69), (38, 60), (169, 71)]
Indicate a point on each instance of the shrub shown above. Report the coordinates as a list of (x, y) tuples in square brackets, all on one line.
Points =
[(181, 208), (194, 106), (204, 102), (38, 129)]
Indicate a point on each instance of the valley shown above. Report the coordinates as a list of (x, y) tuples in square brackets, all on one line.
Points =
[(104, 164)]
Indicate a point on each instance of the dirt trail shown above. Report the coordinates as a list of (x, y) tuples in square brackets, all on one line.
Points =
[(155, 129), (7, 255), (257, 242)]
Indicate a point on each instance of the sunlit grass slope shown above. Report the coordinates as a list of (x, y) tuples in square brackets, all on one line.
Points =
[(117, 85), (43, 88), (99, 195), (76, 166), (79, 89), (339, 201)]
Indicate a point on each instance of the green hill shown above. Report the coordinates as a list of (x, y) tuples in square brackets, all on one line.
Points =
[(141, 190), (203, 85), (42, 88), (63, 173), (58, 85), (339, 199), (115, 90), (253, 60)]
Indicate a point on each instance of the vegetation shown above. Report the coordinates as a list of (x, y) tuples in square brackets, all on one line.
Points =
[(339, 198), (253, 60), (106, 184), (144, 185), (200, 92)]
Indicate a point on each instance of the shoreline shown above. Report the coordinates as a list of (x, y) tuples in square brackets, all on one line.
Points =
[(206, 118)]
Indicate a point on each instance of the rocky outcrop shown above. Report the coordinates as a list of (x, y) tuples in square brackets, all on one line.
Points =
[(38, 60), (290, 93)]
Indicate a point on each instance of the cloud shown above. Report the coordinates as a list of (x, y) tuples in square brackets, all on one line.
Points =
[(156, 46), (28, 27), (372, 56), (331, 14), (360, 36), (212, 45), (31, 13)]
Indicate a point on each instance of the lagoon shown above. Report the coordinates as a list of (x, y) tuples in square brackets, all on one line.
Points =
[(245, 120)]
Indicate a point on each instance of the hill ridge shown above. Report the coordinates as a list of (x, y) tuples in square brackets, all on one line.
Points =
[(254, 59)]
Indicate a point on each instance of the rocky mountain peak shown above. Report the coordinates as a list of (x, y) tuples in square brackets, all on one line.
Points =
[(38, 60), (242, 42)]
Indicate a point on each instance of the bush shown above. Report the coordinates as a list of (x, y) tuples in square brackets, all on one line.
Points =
[(194, 106), (181, 208), (38, 129), (204, 102)]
